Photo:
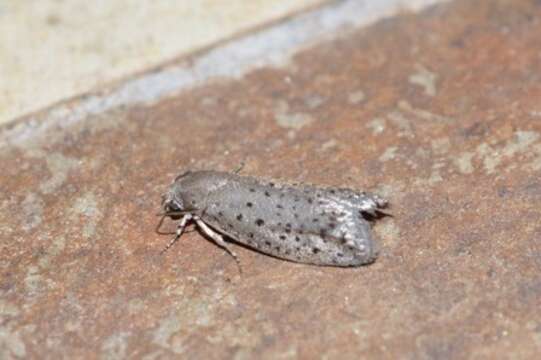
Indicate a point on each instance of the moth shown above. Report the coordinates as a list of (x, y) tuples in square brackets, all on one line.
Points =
[(300, 223)]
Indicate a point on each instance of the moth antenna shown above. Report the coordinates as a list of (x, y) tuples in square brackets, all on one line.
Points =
[(241, 166), (172, 213)]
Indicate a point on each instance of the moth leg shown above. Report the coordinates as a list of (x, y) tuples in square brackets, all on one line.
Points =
[(218, 239), (180, 229)]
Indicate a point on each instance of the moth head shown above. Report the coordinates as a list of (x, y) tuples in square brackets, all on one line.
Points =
[(172, 201), (186, 194)]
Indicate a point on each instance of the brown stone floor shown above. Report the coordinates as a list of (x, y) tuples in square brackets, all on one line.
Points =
[(439, 111)]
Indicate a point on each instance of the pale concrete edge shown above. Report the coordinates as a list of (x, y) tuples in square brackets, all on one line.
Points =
[(269, 47)]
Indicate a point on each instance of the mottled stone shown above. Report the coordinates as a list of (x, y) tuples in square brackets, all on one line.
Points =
[(458, 274)]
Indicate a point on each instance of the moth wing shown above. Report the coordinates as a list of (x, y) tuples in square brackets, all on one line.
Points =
[(351, 231)]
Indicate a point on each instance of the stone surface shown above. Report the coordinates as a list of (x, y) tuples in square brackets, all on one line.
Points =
[(438, 111)]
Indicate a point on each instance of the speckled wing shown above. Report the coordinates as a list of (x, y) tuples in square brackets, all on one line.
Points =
[(299, 223)]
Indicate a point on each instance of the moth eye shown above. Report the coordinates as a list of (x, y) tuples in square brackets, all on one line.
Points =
[(172, 205)]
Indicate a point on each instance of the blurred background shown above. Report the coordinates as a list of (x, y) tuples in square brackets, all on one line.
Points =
[(51, 49)]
